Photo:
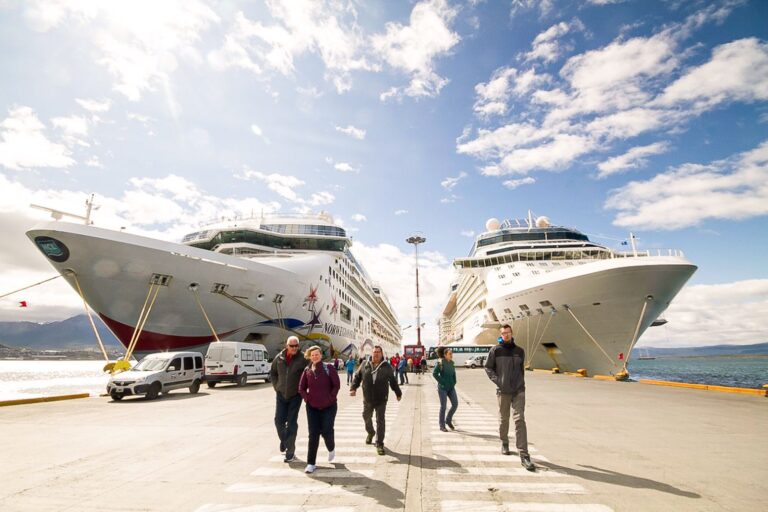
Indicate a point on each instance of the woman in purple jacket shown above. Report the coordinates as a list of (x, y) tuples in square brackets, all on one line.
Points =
[(319, 386)]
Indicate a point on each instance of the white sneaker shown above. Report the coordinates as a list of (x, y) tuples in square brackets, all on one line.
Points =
[(310, 468), (331, 455)]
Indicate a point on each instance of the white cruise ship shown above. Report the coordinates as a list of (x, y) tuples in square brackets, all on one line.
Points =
[(573, 304), (257, 279)]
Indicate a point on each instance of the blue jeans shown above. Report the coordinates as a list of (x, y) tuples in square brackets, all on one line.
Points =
[(286, 420), (443, 394), (320, 422)]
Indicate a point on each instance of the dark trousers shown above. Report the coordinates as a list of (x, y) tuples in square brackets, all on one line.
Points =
[(403, 376), (381, 412), (320, 423), (286, 420), (350, 376), (444, 397)]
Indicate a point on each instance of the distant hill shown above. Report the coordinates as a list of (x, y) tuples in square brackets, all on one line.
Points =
[(71, 334), (715, 350)]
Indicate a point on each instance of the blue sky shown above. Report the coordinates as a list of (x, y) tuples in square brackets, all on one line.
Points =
[(399, 117)]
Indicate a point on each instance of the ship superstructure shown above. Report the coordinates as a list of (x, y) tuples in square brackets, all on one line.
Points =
[(573, 304)]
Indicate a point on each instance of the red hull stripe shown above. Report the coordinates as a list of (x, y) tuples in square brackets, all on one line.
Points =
[(155, 341)]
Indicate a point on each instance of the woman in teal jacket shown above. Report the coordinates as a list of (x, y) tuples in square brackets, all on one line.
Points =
[(445, 375)]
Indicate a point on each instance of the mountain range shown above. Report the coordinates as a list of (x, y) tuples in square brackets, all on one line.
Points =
[(71, 334)]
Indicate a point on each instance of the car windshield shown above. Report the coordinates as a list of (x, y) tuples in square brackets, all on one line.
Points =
[(150, 364)]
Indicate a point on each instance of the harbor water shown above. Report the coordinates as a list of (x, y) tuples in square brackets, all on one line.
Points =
[(29, 379)]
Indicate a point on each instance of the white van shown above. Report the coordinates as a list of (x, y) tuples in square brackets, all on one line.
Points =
[(159, 372), (235, 361), (476, 360)]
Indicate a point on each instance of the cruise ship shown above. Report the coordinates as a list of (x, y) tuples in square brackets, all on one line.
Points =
[(573, 304), (258, 279)]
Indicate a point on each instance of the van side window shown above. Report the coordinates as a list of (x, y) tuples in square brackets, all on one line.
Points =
[(189, 363), (258, 355), (246, 355), (198, 362), (176, 363)]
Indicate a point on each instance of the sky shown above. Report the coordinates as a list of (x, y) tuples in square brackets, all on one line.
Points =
[(428, 117)]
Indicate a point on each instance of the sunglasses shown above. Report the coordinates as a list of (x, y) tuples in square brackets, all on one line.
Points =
[(293, 346)]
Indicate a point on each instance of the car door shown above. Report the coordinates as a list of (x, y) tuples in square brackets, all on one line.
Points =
[(246, 359), (262, 368), (173, 373)]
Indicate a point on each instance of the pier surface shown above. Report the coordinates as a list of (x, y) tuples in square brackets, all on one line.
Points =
[(598, 445)]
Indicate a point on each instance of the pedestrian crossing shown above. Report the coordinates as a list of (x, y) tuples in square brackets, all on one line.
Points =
[(461, 470), (473, 475)]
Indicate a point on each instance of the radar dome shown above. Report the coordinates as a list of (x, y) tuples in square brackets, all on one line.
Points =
[(542, 222), (492, 224)]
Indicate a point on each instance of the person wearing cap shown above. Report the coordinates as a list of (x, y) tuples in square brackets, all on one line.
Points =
[(285, 375), (505, 366)]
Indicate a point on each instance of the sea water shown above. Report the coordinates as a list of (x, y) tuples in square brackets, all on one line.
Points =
[(736, 371), (30, 379)]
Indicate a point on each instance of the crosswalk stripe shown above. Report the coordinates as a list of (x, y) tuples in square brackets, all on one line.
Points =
[(483, 457), (211, 507), (504, 471), (480, 506), (320, 472), (518, 487), (472, 448), (295, 489), (346, 459)]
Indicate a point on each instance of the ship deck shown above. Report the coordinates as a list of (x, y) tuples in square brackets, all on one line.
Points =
[(599, 446)]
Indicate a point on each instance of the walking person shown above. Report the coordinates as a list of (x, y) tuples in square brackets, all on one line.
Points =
[(319, 386), (285, 375), (505, 367), (376, 376), (445, 375), (350, 370), (402, 368)]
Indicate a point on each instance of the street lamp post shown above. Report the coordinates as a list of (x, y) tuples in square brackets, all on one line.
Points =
[(416, 240)]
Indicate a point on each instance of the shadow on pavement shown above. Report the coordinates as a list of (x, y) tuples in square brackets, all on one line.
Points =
[(386, 495), (614, 478)]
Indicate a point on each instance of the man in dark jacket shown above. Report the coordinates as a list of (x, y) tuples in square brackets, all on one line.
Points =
[(505, 366), (285, 375), (376, 377)]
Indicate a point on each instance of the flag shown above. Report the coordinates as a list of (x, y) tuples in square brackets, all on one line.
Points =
[(621, 356), (624, 242), (22, 303)]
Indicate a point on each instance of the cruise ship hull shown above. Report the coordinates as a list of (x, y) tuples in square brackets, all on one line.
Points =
[(587, 317), (262, 299)]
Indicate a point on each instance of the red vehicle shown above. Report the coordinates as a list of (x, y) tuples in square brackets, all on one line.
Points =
[(415, 353)]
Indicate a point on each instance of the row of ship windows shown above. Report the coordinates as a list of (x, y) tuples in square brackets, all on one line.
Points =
[(345, 312), (304, 229), (268, 240), (533, 256)]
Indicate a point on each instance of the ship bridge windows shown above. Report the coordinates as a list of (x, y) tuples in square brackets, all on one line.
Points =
[(533, 236), (275, 241), (581, 255)]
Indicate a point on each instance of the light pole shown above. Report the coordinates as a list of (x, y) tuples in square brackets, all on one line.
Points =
[(416, 240)]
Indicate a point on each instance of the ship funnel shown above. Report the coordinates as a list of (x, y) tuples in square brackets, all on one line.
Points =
[(542, 222), (492, 224)]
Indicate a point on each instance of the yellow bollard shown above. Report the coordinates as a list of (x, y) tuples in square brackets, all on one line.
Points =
[(582, 372)]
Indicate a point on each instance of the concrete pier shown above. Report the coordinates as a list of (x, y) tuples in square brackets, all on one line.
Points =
[(599, 446)]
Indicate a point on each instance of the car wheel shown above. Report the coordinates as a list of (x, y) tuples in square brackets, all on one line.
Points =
[(242, 379), (195, 387), (473, 366), (154, 390), (267, 380), (211, 384), (116, 396)]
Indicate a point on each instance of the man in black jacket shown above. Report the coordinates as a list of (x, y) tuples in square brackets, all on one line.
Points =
[(505, 366), (376, 376), (285, 374)]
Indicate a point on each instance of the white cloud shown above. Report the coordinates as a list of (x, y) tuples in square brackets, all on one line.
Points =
[(413, 48), (513, 184), (450, 199), (321, 198), (468, 233), (359, 217), (492, 96), (697, 316), (74, 129), (355, 133), (450, 182), (401, 212), (735, 188), (95, 105), (544, 6), (281, 184), (546, 47), (634, 158), (737, 71), (345, 167), (24, 145), (140, 43), (328, 29), (257, 131)]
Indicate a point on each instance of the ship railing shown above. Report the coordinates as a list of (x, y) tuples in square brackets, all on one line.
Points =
[(566, 255), (323, 216), (675, 253)]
